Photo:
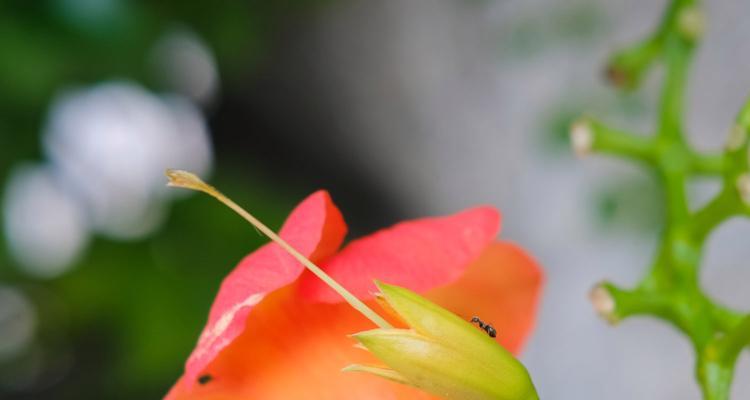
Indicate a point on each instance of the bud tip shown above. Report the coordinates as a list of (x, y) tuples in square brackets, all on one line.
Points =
[(692, 23), (603, 303), (185, 179), (581, 137)]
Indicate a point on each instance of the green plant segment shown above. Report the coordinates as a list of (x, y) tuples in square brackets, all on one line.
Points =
[(671, 289)]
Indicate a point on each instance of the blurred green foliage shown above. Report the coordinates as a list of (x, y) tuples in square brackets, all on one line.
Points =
[(529, 34), (121, 323), (48, 45), (632, 203), (129, 313)]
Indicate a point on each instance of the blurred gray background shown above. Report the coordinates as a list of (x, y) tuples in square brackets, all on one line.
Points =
[(449, 103)]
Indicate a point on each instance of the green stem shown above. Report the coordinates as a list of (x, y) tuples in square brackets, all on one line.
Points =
[(725, 318), (715, 379), (708, 164), (731, 345), (718, 210), (629, 303), (677, 58), (675, 182), (674, 155), (620, 143)]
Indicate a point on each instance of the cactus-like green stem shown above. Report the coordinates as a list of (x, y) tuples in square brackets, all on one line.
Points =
[(731, 345), (671, 290)]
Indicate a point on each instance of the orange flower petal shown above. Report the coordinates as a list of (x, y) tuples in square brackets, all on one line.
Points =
[(315, 228), (502, 288), (419, 255), (294, 343), (295, 349)]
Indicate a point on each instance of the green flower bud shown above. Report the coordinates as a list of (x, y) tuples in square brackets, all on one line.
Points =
[(691, 23), (442, 353)]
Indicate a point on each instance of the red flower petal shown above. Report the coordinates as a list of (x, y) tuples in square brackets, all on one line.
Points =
[(419, 255), (315, 228), (502, 288)]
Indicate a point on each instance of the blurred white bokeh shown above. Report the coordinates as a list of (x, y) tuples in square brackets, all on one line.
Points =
[(186, 65), (17, 322), (45, 227), (108, 146), (111, 144)]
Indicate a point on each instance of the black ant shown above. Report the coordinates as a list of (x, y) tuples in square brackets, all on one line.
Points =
[(486, 327), (204, 379)]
